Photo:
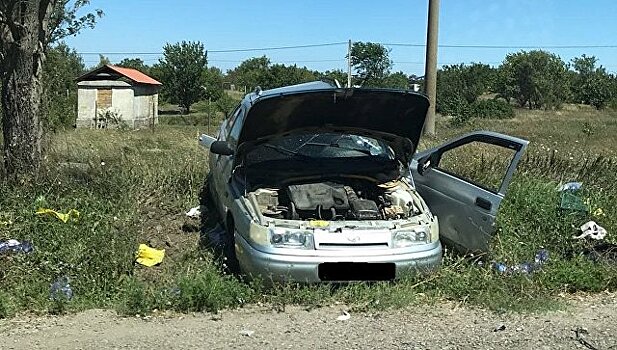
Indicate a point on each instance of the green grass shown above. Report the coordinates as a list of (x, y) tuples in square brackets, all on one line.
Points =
[(134, 187)]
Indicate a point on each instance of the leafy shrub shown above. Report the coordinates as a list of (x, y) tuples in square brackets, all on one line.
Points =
[(492, 109), (484, 109)]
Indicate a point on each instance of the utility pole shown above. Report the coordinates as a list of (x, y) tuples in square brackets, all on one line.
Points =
[(349, 64), (430, 68)]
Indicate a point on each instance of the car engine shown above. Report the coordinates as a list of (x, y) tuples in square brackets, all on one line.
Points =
[(356, 200)]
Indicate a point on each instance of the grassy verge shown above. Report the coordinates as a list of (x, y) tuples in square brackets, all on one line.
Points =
[(134, 187)]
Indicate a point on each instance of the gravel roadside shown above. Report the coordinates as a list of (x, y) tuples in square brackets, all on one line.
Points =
[(586, 323)]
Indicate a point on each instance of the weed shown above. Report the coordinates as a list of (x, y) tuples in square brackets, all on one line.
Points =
[(134, 187)]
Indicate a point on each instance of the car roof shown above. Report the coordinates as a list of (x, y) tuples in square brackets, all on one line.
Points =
[(304, 87)]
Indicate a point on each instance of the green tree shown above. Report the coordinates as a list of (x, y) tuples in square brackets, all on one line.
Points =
[(103, 61), (62, 66), (460, 85), (333, 75), (135, 63), (283, 75), (397, 80), (537, 79), (251, 73), (181, 68), (27, 28), (591, 85), (371, 62), (213, 83)]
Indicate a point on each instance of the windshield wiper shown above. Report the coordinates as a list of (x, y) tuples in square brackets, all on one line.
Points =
[(337, 145), (284, 150)]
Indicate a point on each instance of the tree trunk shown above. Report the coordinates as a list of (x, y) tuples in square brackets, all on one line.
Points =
[(21, 101)]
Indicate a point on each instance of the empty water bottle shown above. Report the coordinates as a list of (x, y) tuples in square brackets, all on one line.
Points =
[(500, 267), (541, 256), (523, 268), (61, 290)]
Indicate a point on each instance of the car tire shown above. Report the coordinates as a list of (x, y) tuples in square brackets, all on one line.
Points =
[(231, 264)]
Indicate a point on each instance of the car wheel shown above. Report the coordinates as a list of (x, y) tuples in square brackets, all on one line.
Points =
[(231, 263)]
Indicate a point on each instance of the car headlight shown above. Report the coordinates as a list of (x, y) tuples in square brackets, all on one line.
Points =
[(407, 238), (283, 238)]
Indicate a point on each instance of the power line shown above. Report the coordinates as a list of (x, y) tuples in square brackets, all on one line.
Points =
[(507, 46), (279, 47), (271, 48)]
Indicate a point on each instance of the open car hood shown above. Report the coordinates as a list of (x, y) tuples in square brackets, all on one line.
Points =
[(395, 116)]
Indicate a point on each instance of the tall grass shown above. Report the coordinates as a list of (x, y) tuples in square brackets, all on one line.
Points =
[(133, 187)]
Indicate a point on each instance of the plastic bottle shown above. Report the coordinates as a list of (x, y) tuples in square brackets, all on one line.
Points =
[(61, 289)]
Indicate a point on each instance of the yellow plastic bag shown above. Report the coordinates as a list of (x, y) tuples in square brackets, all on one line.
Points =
[(149, 256), (63, 217)]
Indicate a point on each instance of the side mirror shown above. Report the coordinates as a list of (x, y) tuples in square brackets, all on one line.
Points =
[(222, 148), (427, 162), (206, 141)]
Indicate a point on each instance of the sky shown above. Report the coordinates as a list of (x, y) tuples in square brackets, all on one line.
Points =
[(140, 28)]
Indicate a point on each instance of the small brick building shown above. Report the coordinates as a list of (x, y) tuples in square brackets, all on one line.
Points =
[(110, 96)]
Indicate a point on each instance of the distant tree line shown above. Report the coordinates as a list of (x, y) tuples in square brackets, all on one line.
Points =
[(530, 79)]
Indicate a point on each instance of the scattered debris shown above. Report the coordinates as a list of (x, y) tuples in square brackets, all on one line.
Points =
[(148, 256), (194, 212), (580, 334), (570, 199), (344, 317), (540, 259), (593, 230), (598, 212), (15, 246), (247, 332), (501, 327), (570, 186), (63, 217), (61, 290)]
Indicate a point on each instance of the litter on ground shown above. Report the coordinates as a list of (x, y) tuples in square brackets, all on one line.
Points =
[(570, 186), (540, 259), (148, 256), (61, 216), (15, 246), (592, 230), (61, 290), (194, 212), (344, 317)]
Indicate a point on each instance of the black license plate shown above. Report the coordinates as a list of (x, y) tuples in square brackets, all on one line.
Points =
[(356, 271)]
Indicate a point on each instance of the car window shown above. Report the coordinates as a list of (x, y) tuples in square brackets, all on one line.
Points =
[(480, 163), (234, 132), (232, 118)]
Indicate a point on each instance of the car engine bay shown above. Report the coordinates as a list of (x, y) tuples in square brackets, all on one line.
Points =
[(354, 199)]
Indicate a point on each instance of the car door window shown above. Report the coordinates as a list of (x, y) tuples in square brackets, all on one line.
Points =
[(235, 127), (232, 119), (482, 164)]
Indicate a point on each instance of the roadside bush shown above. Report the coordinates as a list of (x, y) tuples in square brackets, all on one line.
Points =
[(462, 112), (492, 109)]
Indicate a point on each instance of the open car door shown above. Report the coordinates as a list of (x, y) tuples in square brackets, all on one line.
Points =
[(464, 181)]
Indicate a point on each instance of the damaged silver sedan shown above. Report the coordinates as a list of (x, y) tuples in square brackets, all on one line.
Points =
[(320, 183)]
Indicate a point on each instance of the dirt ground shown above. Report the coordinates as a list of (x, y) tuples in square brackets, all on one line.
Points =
[(585, 323)]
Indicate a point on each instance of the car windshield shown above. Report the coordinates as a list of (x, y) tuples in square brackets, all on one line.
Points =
[(320, 146)]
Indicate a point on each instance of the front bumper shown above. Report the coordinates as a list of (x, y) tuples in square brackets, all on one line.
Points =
[(302, 268)]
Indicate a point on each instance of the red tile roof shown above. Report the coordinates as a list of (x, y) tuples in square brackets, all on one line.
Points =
[(134, 75), (129, 73)]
